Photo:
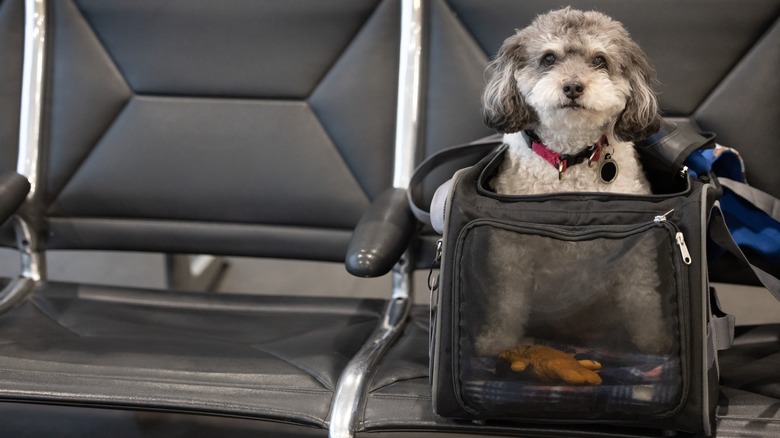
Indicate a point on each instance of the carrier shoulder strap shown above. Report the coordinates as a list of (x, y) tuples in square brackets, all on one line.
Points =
[(720, 234), (680, 143), (676, 142), (666, 149), (478, 149), (757, 198)]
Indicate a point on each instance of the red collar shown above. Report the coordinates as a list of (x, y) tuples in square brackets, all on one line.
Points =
[(563, 161)]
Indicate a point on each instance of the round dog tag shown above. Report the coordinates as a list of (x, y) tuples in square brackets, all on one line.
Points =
[(608, 170)]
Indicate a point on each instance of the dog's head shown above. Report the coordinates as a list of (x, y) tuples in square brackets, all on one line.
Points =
[(572, 69)]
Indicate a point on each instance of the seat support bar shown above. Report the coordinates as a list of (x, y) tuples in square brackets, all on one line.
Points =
[(352, 388), (32, 260)]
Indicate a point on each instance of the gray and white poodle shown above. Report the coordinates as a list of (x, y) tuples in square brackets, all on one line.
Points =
[(571, 92)]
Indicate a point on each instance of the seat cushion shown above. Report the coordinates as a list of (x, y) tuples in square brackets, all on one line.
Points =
[(400, 394), (257, 356), (753, 363)]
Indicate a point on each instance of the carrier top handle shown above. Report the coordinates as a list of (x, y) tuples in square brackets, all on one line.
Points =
[(667, 149)]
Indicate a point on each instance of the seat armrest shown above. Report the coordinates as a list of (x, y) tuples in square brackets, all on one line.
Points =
[(13, 191), (382, 235)]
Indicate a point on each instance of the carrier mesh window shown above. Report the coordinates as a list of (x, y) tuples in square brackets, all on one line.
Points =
[(568, 320)]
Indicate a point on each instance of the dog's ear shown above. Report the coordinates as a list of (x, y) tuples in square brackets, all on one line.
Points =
[(503, 107), (640, 118)]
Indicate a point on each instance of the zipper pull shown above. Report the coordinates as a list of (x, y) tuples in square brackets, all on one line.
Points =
[(433, 281), (686, 256), (678, 236), (662, 218), (437, 256)]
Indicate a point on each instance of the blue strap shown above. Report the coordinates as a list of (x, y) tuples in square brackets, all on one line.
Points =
[(752, 216)]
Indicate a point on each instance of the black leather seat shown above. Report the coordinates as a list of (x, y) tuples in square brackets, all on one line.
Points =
[(249, 128), (709, 58), (266, 129), (11, 52)]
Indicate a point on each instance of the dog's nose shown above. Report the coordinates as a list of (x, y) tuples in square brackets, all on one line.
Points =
[(573, 89)]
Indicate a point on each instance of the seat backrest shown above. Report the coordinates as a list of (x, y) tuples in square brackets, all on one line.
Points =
[(12, 55), (234, 128), (716, 64), (11, 52)]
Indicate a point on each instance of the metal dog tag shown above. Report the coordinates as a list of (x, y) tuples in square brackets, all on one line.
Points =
[(608, 170)]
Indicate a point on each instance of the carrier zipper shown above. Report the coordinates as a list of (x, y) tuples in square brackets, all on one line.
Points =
[(433, 304), (678, 236), (433, 282)]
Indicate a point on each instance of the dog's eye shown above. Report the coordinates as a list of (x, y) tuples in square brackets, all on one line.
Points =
[(548, 60), (599, 62)]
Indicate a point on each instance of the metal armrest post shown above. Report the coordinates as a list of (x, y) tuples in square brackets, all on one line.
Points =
[(33, 267), (352, 389), (32, 92), (349, 398)]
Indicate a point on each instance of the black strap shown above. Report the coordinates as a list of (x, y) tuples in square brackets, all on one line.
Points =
[(672, 144), (720, 234), (478, 148), (718, 230)]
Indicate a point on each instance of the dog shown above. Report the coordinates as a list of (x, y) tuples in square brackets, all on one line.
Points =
[(571, 93)]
